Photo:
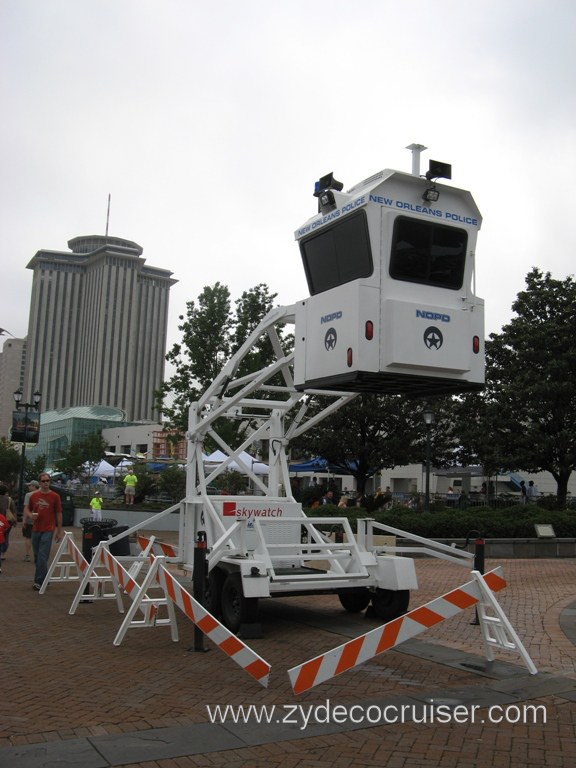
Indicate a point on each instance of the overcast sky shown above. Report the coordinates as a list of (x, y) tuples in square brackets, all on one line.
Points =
[(208, 124)]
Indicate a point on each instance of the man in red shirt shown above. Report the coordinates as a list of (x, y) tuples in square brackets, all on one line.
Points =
[(45, 509), (4, 527)]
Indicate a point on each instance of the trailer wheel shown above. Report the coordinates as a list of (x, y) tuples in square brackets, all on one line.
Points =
[(213, 591), (354, 600), (237, 609), (389, 604)]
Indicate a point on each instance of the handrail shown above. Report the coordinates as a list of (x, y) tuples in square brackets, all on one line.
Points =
[(431, 547), (144, 524)]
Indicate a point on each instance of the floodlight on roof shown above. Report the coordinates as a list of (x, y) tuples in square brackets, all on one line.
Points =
[(431, 194)]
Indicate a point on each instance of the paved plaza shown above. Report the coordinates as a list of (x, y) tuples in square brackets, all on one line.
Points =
[(71, 698)]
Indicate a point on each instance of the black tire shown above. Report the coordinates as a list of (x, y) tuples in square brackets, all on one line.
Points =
[(213, 591), (388, 604), (354, 600), (237, 609)]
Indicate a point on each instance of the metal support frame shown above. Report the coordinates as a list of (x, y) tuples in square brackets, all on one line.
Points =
[(275, 412)]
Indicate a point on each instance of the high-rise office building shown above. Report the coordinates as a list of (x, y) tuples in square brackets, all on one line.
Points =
[(97, 327), (12, 367)]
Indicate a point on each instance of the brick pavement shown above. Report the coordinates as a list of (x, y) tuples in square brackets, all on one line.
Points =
[(65, 687)]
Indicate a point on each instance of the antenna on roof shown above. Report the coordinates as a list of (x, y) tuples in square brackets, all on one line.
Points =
[(108, 214), (416, 150)]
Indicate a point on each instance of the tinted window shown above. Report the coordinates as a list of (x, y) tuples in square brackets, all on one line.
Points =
[(337, 254), (428, 253)]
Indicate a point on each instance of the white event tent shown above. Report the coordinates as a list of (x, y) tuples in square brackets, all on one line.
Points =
[(100, 469), (258, 467)]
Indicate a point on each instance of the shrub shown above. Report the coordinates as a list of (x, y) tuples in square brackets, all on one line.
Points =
[(513, 522)]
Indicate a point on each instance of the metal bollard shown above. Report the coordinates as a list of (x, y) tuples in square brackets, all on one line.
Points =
[(199, 583), (479, 554), (479, 545)]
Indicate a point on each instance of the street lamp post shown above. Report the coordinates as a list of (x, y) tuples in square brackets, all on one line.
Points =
[(36, 397), (429, 418)]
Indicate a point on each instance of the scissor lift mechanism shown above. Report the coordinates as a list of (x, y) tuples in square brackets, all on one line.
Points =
[(261, 556)]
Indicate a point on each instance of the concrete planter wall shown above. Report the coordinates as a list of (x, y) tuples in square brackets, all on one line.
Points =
[(518, 548)]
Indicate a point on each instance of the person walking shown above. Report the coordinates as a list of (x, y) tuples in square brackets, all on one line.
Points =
[(27, 520), (8, 510), (46, 511), (4, 526), (532, 492), (96, 506), (523, 492), (130, 481)]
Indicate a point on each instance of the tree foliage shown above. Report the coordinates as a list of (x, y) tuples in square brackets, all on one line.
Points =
[(211, 332), (147, 484), (10, 459), (374, 432), (172, 482), (198, 358), (92, 449), (231, 482), (33, 467), (525, 420)]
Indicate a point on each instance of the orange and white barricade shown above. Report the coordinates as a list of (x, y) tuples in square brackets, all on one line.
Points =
[(172, 594), (496, 630), (159, 548), (68, 564), (228, 643), (143, 601), (97, 583), (98, 577)]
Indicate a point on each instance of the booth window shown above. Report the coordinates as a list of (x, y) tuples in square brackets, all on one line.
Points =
[(337, 254), (428, 253)]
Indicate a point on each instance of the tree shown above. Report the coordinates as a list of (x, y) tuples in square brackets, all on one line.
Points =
[(172, 482), (251, 307), (374, 432), (147, 484), (204, 348), (231, 482), (10, 459), (525, 420), (211, 333), (35, 466), (92, 449)]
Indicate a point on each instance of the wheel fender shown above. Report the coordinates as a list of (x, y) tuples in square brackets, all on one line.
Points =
[(396, 573), (255, 581)]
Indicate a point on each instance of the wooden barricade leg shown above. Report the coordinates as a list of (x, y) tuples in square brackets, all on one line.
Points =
[(149, 606), (139, 562), (67, 557), (497, 631), (93, 584)]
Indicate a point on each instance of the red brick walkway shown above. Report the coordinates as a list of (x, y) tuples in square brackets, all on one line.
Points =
[(63, 680)]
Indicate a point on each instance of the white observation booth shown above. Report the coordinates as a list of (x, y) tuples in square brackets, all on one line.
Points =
[(392, 306)]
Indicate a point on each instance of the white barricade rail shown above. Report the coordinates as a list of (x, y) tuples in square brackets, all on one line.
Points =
[(159, 548), (94, 584), (497, 632), (61, 564), (231, 645), (142, 600), (173, 593)]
